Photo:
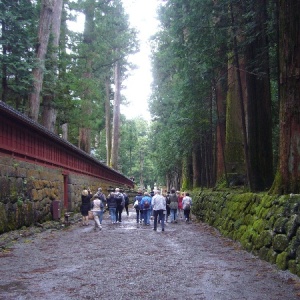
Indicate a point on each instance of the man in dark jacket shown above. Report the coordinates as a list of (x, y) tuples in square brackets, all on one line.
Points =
[(120, 204), (137, 206), (112, 207)]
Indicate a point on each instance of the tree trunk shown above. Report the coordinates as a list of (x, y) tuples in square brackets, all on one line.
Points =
[(49, 108), (38, 72), (85, 139), (221, 90), (116, 117), (187, 172), (64, 128), (241, 93), (288, 175), (259, 121), (196, 167), (234, 146), (86, 101), (4, 67), (108, 121)]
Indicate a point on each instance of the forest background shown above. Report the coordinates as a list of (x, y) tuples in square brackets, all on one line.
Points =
[(225, 95)]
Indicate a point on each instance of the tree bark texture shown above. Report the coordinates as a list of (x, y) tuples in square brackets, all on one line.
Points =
[(288, 176), (86, 101), (38, 72), (49, 112), (64, 128), (221, 90), (116, 117), (4, 67), (108, 121), (241, 89), (234, 153), (259, 118), (196, 166)]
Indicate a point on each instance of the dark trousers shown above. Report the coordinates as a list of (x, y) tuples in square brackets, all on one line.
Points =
[(139, 215), (119, 213), (168, 212), (187, 214), (159, 213), (126, 208)]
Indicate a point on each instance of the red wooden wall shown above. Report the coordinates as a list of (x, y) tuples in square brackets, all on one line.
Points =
[(27, 140)]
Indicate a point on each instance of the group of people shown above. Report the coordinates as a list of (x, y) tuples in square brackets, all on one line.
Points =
[(115, 201), (172, 205), (161, 207)]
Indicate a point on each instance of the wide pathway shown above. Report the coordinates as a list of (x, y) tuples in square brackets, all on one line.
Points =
[(131, 261)]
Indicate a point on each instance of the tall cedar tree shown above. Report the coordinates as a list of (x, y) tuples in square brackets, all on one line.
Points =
[(47, 7), (288, 175), (49, 112)]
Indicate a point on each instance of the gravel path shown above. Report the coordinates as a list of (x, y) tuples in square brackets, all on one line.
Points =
[(130, 261)]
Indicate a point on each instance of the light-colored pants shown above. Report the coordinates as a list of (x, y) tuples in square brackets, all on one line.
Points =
[(96, 219)]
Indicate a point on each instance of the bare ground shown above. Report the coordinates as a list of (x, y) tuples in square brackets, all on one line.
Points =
[(131, 261)]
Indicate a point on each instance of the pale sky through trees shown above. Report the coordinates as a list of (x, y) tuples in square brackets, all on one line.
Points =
[(137, 89)]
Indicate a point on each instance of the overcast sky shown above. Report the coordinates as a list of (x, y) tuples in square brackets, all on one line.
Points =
[(137, 87), (142, 15)]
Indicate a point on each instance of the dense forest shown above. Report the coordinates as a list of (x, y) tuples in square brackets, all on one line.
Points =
[(225, 96)]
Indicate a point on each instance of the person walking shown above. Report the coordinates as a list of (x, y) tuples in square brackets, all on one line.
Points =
[(120, 204), (112, 207), (151, 209), (146, 207), (158, 205), (173, 206), (101, 196), (126, 198), (137, 206), (168, 210), (97, 209), (187, 205), (85, 205), (180, 197)]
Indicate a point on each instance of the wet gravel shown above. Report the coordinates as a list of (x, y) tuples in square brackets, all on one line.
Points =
[(131, 261)]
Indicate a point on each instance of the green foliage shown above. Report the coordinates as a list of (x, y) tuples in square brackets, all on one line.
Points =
[(184, 59), (136, 152), (18, 42)]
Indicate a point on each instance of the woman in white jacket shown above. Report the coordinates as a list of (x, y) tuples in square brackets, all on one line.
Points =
[(187, 205), (97, 209)]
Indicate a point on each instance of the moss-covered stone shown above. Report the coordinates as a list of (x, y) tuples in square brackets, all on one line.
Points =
[(292, 247), (263, 253), (280, 225), (259, 225), (282, 261), (264, 239), (280, 242), (272, 256), (292, 225), (292, 266), (264, 224)]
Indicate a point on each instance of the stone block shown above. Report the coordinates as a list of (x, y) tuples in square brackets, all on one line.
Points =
[(280, 242)]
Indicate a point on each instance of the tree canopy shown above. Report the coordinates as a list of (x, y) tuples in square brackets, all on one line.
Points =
[(225, 75)]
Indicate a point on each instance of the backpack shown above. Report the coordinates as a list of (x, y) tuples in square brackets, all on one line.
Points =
[(126, 199), (119, 198), (137, 201), (168, 201), (187, 206), (146, 204), (101, 196)]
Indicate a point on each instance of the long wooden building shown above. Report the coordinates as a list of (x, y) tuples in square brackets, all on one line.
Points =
[(38, 169)]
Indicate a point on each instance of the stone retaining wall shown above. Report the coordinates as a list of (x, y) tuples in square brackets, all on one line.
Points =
[(268, 226), (27, 192)]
